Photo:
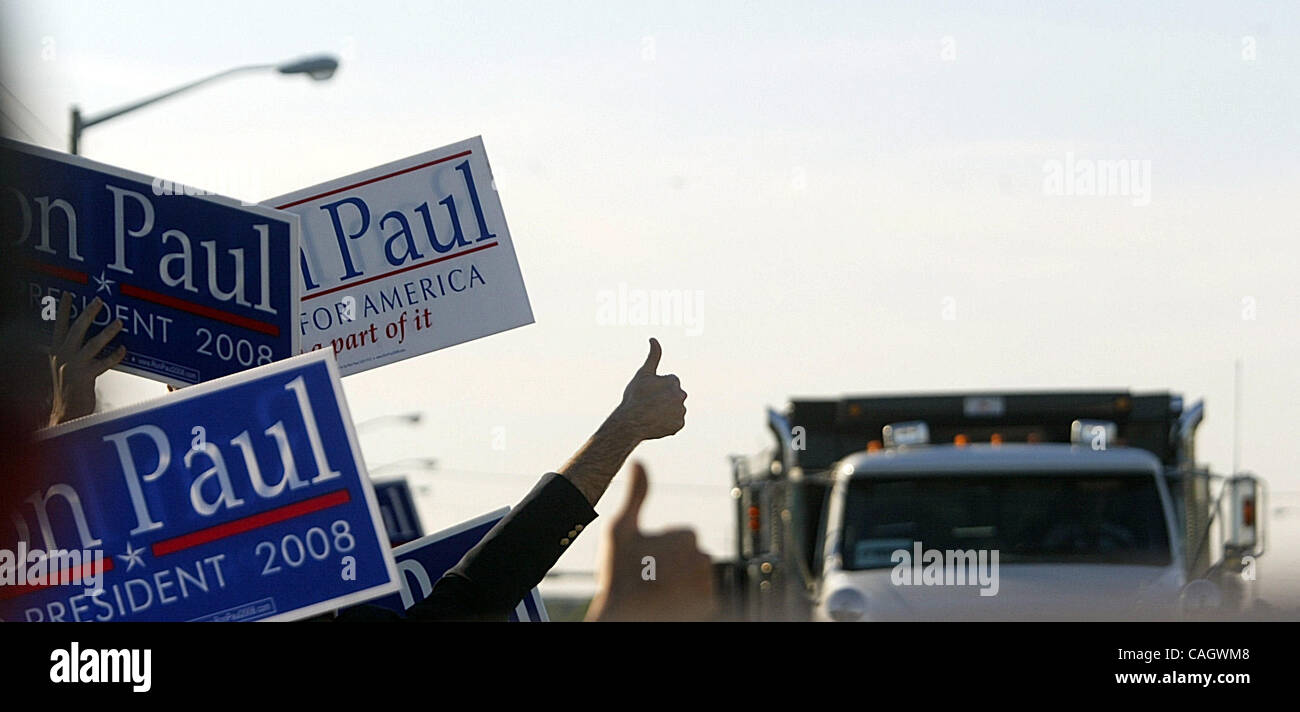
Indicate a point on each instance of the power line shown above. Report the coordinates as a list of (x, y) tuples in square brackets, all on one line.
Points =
[(656, 485), (17, 125), (30, 113)]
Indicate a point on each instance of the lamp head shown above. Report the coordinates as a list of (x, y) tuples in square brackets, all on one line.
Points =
[(319, 67)]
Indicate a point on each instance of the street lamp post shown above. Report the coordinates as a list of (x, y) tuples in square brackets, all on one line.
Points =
[(417, 464), (412, 418), (319, 68)]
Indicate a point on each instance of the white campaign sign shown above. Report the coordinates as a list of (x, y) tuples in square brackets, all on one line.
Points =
[(406, 258)]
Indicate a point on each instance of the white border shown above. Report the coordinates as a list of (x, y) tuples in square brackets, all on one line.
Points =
[(283, 216), (542, 615), (290, 364)]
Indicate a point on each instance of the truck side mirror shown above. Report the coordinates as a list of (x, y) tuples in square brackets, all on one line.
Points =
[(1244, 495)]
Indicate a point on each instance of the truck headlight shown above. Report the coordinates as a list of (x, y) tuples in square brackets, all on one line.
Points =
[(846, 604), (1199, 597)]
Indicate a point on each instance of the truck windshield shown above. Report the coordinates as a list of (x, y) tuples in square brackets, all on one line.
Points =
[(1111, 519)]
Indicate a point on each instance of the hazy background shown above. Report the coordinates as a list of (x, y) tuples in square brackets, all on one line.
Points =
[(828, 183)]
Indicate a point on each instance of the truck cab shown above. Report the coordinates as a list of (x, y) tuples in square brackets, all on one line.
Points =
[(990, 506), (1036, 531)]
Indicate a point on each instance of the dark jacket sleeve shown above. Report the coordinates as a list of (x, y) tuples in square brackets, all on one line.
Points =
[(509, 561)]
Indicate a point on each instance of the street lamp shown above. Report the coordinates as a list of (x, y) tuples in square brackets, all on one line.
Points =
[(419, 464), (319, 68), (406, 418)]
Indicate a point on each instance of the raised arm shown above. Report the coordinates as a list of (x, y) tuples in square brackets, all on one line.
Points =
[(653, 407), (512, 558)]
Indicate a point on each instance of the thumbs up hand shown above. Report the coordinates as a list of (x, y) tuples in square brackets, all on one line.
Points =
[(653, 406), (650, 577)]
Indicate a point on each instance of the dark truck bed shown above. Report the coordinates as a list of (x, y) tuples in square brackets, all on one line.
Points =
[(842, 426)]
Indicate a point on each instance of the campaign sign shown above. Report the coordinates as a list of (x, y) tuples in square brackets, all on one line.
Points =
[(406, 258), (205, 286), (243, 498), (397, 507), (422, 562)]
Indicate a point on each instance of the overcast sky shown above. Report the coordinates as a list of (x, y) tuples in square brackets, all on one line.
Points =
[(852, 198)]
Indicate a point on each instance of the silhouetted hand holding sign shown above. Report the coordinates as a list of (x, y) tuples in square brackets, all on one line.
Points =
[(74, 360), (650, 577)]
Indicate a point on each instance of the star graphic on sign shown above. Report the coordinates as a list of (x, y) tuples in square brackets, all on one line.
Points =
[(105, 284), (132, 556)]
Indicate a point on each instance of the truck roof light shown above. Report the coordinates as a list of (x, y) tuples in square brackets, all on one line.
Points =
[(995, 439), (960, 440), (912, 432), (873, 446), (984, 406)]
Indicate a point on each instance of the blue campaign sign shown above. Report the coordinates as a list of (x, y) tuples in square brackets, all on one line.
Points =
[(205, 286), (397, 507), (243, 498), (422, 562)]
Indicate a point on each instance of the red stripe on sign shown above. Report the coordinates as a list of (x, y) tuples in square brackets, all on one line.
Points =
[(83, 571), (131, 290), (462, 154), (71, 275), (248, 524), (407, 268)]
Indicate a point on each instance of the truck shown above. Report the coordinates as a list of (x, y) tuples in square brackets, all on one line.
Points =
[(1004, 506)]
